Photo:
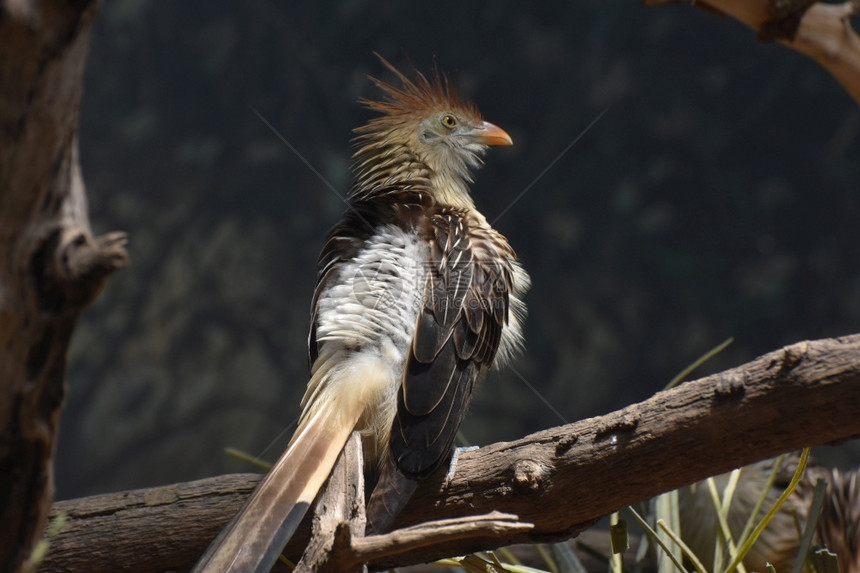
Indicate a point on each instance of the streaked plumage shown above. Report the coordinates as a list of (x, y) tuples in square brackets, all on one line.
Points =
[(417, 296)]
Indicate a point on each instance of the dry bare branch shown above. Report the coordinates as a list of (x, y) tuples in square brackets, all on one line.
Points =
[(818, 30), (561, 479)]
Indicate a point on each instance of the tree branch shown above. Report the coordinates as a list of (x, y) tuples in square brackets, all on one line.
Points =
[(561, 479), (341, 503), (51, 266), (818, 30)]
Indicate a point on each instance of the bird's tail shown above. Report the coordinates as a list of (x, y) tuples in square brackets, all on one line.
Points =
[(254, 539), (389, 497)]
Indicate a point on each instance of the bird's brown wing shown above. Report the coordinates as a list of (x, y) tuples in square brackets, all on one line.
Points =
[(459, 327)]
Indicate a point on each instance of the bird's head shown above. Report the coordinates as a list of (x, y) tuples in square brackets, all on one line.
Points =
[(425, 131)]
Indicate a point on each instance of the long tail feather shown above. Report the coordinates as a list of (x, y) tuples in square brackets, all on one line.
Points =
[(255, 538)]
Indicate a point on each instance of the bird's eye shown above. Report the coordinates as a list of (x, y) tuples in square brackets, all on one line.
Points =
[(449, 121)]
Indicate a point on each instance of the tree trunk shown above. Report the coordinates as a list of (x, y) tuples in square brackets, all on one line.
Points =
[(51, 266)]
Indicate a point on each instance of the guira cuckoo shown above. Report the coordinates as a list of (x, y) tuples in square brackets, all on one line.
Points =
[(417, 297)]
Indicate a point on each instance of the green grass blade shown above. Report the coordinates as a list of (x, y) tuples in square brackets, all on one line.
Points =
[(547, 557), (725, 531), (653, 535), (811, 521), (801, 466), (254, 461), (697, 564), (616, 560), (751, 520), (666, 509), (699, 361)]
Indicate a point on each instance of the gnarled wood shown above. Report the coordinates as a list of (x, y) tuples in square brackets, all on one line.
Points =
[(51, 266), (561, 479), (819, 30), (340, 503)]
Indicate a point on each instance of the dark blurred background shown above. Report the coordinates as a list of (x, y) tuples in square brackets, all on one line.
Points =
[(717, 196)]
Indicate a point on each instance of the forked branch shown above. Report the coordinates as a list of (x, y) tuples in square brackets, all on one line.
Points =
[(560, 480)]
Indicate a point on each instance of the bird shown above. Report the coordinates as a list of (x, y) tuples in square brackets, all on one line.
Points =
[(837, 527), (417, 297)]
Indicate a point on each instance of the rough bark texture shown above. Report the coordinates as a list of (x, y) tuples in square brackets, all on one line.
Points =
[(51, 266), (819, 30), (342, 502), (561, 479), (147, 529)]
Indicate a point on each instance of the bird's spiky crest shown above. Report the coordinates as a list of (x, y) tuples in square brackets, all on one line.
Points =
[(415, 97), (386, 156)]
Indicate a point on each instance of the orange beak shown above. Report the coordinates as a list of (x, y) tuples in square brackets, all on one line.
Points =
[(490, 134)]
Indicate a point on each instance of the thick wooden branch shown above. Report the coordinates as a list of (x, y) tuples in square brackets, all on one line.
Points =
[(338, 543), (156, 529), (819, 30), (340, 504), (560, 480), (51, 266)]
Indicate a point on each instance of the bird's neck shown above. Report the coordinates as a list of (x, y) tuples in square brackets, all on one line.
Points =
[(451, 190), (383, 168)]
